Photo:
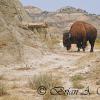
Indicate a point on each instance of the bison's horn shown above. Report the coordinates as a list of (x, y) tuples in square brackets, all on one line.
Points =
[(69, 35)]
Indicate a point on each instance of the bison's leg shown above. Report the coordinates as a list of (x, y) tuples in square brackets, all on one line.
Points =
[(79, 46), (92, 44), (84, 43)]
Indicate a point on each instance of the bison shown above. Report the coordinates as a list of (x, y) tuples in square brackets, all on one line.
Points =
[(79, 33)]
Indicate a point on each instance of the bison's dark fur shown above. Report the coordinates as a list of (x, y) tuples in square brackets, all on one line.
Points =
[(79, 33)]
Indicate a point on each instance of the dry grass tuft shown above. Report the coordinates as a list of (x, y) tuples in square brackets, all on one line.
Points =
[(95, 73), (49, 40), (77, 85), (76, 81), (77, 77), (97, 43), (14, 85), (52, 42), (48, 96), (23, 68), (3, 89), (98, 40), (12, 98), (83, 60), (48, 81), (27, 67), (44, 79), (2, 77)]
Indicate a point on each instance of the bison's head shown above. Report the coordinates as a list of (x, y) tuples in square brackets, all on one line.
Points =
[(67, 40)]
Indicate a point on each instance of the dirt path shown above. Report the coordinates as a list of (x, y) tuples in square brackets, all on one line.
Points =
[(61, 63)]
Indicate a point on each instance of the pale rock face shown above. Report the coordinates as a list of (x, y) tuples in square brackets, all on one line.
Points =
[(14, 40), (33, 10), (13, 10)]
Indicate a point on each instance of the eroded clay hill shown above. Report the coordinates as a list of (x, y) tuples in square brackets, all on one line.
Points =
[(63, 18), (16, 41)]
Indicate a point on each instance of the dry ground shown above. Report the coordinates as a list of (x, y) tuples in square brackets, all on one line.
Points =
[(73, 68)]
